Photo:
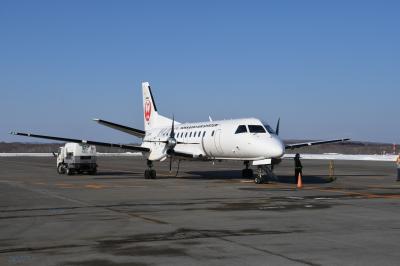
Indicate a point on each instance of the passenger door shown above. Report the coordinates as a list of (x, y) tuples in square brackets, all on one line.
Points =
[(217, 142)]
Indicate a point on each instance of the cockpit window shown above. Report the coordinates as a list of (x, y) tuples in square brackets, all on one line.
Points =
[(256, 129), (241, 129), (269, 129)]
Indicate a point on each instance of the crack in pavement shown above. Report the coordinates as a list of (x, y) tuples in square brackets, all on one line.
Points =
[(271, 252)]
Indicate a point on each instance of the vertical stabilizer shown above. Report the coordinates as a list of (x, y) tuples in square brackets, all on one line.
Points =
[(151, 117)]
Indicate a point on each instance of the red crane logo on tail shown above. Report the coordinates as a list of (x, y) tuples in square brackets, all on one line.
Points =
[(147, 110)]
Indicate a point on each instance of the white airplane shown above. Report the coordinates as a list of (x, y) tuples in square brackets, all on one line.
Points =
[(247, 140)]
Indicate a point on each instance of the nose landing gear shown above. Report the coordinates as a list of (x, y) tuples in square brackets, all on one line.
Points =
[(261, 170)]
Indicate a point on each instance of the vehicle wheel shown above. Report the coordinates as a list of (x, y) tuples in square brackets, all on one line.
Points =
[(93, 171), (257, 180), (69, 171), (153, 174), (61, 169)]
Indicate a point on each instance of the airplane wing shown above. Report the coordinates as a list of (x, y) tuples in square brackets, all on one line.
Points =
[(125, 147), (345, 157), (132, 131), (312, 143)]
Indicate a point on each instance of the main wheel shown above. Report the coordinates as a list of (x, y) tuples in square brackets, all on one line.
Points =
[(61, 169), (153, 174)]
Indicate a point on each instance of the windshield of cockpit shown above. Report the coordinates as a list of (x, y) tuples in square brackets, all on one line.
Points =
[(254, 129), (269, 129)]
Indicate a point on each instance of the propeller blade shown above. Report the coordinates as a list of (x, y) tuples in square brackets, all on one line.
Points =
[(172, 135), (277, 126)]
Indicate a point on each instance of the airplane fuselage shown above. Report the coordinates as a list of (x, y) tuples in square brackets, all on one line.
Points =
[(237, 139)]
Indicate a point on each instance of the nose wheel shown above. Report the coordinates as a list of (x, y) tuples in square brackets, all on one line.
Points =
[(261, 178), (150, 173)]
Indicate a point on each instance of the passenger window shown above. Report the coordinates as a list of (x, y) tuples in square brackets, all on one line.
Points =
[(241, 129), (204, 134), (198, 134), (190, 135), (256, 129), (212, 134)]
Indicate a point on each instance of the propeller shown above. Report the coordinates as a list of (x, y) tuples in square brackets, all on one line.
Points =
[(277, 126), (171, 143), (276, 161)]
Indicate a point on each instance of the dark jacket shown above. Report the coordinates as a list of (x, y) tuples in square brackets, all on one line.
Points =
[(297, 163)]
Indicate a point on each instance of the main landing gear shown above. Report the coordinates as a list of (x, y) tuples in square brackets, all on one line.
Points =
[(150, 173), (247, 172)]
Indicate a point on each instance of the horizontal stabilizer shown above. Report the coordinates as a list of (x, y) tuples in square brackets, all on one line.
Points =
[(105, 144), (132, 131)]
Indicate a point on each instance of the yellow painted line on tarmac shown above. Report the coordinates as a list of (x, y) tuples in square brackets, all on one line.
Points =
[(128, 187), (65, 185), (95, 186)]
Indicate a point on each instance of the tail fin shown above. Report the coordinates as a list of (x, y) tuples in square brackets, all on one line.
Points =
[(151, 117)]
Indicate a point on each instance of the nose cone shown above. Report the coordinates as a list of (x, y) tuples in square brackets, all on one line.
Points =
[(268, 147), (277, 148)]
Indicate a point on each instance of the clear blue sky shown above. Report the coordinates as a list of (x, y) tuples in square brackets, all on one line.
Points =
[(327, 68)]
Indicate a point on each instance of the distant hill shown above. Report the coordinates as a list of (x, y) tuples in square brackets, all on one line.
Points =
[(350, 147), (21, 147)]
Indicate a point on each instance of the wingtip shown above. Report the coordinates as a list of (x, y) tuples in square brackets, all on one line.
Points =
[(96, 119)]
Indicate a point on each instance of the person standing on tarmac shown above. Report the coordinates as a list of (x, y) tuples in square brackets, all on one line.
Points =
[(398, 167), (298, 168)]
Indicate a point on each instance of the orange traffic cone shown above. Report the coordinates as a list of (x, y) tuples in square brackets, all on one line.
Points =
[(299, 181)]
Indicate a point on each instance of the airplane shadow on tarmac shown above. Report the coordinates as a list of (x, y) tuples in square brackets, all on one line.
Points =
[(208, 175), (235, 174), (307, 179), (220, 175)]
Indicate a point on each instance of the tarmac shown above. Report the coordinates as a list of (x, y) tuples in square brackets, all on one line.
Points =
[(206, 215)]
